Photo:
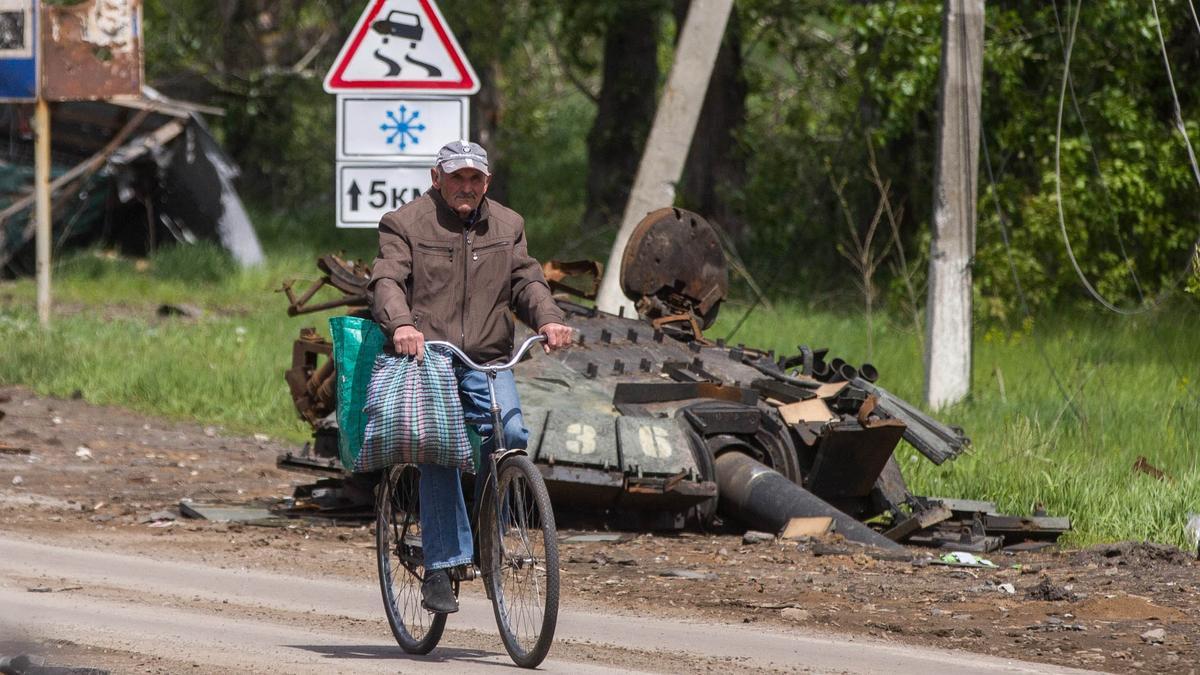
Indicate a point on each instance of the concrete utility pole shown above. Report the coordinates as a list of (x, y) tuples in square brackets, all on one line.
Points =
[(41, 189), (670, 137), (948, 338)]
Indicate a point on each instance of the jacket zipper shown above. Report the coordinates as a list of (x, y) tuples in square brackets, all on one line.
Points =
[(489, 247), (463, 313), (447, 250)]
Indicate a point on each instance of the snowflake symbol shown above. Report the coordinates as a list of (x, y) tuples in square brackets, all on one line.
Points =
[(402, 128)]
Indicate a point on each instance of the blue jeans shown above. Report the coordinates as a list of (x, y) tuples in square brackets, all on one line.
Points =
[(445, 525)]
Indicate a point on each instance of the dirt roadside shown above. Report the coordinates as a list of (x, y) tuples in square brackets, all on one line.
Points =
[(95, 476)]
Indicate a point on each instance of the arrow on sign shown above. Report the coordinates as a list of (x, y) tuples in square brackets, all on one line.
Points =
[(354, 192)]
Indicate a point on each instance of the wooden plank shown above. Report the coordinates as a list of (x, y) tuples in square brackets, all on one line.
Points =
[(918, 521), (813, 410), (831, 389), (806, 527), (1028, 525)]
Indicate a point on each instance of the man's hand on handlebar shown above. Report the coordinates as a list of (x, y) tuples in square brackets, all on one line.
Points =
[(557, 335), (410, 342)]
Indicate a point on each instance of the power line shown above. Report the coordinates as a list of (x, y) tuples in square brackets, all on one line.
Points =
[(1096, 295), (1104, 191), (1162, 43), (1012, 266)]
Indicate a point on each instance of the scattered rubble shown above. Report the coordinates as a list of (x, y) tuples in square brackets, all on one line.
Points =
[(225, 513), (695, 575), (604, 536), (28, 664), (9, 449), (1155, 636), (1050, 592), (157, 517), (1132, 553), (795, 614), (756, 537), (51, 589)]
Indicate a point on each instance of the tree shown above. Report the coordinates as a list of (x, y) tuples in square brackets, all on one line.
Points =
[(625, 105), (715, 167)]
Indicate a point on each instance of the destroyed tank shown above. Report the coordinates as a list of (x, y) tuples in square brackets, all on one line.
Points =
[(648, 423)]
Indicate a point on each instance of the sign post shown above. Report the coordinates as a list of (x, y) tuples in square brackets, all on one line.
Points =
[(402, 84), (41, 191)]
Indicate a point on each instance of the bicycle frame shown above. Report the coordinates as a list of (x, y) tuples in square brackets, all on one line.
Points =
[(501, 448)]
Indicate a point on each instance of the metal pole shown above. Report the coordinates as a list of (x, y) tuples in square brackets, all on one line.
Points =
[(670, 136), (948, 332), (41, 188)]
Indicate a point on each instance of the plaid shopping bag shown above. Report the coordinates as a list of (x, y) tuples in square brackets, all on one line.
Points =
[(414, 414)]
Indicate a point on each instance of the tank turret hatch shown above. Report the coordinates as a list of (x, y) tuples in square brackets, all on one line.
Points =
[(674, 268)]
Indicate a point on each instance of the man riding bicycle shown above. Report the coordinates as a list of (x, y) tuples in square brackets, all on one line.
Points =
[(453, 265)]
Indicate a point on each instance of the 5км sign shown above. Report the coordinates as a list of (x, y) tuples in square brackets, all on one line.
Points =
[(367, 191)]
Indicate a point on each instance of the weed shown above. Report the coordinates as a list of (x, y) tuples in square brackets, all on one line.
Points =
[(202, 262)]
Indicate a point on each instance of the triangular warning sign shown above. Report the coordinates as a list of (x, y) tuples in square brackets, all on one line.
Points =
[(401, 46)]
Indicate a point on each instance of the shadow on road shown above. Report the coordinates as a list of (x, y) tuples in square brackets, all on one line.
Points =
[(440, 655)]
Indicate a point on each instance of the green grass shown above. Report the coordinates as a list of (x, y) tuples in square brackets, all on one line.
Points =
[(1133, 381), (1134, 388), (107, 341)]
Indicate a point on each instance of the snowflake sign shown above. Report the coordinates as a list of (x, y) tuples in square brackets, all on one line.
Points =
[(403, 128)]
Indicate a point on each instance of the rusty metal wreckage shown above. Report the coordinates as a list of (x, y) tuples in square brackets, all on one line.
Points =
[(646, 423)]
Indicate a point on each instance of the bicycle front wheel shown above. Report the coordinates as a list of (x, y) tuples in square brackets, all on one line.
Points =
[(402, 561), (520, 559)]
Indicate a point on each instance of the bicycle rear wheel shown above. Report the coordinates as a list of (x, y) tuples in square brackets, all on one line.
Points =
[(520, 558), (402, 561)]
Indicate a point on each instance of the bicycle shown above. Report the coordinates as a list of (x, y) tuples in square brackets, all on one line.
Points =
[(517, 545)]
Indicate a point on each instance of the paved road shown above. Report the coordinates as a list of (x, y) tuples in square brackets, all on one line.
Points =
[(255, 621)]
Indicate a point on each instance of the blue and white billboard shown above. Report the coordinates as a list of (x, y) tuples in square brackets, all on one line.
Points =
[(18, 50)]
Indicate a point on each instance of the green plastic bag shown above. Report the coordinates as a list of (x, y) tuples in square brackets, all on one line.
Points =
[(356, 343)]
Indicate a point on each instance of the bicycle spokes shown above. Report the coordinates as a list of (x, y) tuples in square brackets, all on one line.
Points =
[(401, 563), (521, 562)]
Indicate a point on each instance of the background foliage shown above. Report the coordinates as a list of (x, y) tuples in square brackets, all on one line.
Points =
[(807, 87)]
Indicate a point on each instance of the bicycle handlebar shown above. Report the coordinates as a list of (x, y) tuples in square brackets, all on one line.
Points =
[(492, 368)]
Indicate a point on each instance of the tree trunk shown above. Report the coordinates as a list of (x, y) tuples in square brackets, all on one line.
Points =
[(715, 167), (487, 127), (624, 112), (487, 107)]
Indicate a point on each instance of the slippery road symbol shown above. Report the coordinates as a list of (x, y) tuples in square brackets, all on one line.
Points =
[(405, 26)]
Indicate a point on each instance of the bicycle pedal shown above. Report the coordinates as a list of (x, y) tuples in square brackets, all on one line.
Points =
[(466, 572)]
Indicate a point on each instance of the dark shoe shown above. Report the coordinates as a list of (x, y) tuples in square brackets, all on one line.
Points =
[(437, 594)]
